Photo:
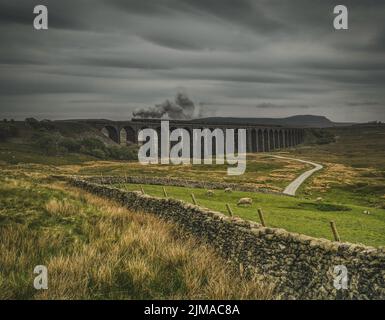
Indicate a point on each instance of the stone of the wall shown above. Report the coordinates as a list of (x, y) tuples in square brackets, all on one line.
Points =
[(301, 265), (166, 181)]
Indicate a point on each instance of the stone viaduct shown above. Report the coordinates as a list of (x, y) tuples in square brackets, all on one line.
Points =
[(260, 138)]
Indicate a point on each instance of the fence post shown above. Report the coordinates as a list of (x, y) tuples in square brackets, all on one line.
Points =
[(229, 209), (193, 199), (125, 182), (141, 189), (241, 269), (165, 192), (335, 232), (261, 218)]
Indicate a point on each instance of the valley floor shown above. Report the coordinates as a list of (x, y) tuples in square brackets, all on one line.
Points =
[(95, 249)]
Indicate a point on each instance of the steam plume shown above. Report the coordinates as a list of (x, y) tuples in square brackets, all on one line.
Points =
[(181, 108)]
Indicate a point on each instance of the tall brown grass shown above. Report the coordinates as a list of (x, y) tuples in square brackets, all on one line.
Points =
[(117, 255), (61, 208)]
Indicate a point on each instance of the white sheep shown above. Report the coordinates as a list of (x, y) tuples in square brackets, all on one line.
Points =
[(228, 190), (210, 193), (245, 201)]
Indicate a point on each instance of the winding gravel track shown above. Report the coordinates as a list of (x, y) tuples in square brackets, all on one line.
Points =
[(291, 189)]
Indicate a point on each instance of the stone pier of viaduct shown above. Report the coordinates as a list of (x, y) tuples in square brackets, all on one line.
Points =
[(260, 138)]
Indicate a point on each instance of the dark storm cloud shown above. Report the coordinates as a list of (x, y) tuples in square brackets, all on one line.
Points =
[(12, 13), (241, 58)]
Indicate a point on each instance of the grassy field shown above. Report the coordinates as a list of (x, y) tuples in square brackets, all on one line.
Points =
[(291, 213), (356, 146), (354, 170), (262, 171), (94, 249)]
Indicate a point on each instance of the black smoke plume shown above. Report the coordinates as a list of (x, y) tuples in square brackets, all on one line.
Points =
[(181, 108)]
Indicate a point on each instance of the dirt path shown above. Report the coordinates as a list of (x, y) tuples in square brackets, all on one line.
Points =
[(294, 185)]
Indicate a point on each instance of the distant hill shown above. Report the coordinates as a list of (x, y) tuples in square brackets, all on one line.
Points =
[(300, 120), (312, 121)]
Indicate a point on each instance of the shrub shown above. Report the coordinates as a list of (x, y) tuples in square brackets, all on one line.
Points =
[(47, 124), (49, 144), (8, 132), (122, 153), (70, 144), (61, 150), (93, 147), (93, 143), (97, 153), (4, 134), (13, 131), (33, 123), (96, 148), (322, 136)]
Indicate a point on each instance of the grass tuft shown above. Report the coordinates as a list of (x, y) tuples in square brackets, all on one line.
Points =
[(61, 208)]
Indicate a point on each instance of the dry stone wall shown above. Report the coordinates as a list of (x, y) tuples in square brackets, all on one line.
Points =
[(302, 266), (165, 181)]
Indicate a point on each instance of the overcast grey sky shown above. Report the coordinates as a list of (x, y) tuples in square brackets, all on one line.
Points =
[(107, 58)]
